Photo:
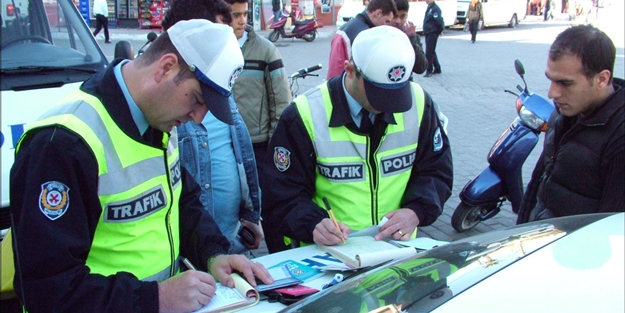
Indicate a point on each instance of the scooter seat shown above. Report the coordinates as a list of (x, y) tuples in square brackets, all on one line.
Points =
[(304, 22)]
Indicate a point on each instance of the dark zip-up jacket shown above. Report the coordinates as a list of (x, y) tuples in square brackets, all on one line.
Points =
[(433, 20), (582, 167)]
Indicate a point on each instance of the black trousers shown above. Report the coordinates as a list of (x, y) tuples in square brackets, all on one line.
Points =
[(430, 53), (473, 28), (102, 21)]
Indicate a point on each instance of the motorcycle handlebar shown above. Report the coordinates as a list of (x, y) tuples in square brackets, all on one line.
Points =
[(304, 71)]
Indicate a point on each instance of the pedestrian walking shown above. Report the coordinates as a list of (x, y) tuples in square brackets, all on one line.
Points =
[(101, 12), (475, 15)]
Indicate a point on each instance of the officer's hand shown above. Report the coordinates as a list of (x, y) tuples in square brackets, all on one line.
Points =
[(224, 265), (186, 292), (325, 233), (410, 29), (258, 233), (401, 224)]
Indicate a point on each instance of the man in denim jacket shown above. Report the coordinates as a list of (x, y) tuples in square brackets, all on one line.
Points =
[(221, 159), (219, 156)]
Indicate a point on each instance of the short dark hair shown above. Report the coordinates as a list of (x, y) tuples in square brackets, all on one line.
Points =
[(161, 46), (387, 6), (402, 5), (183, 10), (590, 45)]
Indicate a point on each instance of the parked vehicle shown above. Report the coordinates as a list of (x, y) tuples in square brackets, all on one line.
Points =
[(483, 196), (43, 60), (306, 29), (496, 12), (349, 9), (566, 264)]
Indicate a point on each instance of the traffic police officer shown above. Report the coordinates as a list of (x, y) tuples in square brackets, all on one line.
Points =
[(103, 210), (369, 141)]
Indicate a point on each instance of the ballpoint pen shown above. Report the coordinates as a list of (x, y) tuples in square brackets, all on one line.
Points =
[(327, 204), (188, 264)]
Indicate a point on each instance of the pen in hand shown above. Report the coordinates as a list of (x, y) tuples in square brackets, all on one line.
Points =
[(188, 264), (327, 204)]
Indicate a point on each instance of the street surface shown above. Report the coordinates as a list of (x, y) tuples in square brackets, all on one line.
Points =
[(470, 91)]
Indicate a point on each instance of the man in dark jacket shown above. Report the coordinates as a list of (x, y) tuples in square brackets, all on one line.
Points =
[(582, 167), (401, 22), (433, 26)]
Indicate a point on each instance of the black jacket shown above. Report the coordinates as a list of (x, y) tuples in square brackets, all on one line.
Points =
[(433, 22), (582, 167), (287, 196), (52, 254)]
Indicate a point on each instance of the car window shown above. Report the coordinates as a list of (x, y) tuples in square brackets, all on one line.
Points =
[(46, 35)]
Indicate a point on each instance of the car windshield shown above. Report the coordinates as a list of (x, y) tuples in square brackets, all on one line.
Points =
[(48, 37), (427, 280)]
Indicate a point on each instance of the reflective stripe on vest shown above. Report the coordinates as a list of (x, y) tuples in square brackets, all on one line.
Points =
[(343, 168), (138, 230)]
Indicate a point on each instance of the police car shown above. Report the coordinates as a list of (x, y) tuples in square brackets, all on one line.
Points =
[(47, 51), (568, 264)]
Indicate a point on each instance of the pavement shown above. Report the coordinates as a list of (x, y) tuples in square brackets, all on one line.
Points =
[(470, 93)]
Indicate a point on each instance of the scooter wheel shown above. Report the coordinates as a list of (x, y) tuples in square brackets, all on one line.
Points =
[(273, 36), (310, 37), (466, 217)]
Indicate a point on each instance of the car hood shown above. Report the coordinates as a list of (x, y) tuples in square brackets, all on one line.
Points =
[(495, 271), (581, 272)]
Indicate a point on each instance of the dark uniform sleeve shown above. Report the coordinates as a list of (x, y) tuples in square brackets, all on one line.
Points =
[(431, 178), (420, 61), (200, 237), (52, 253), (440, 23), (289, 184)]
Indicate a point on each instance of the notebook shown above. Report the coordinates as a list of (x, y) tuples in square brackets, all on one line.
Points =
[(364, 251), (243, 295)]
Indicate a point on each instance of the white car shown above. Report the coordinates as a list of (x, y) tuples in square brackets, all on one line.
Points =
[(47, 52), (569, 264), (348, 11)]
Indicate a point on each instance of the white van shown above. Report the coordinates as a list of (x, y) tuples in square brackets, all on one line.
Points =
[(496, 12), (45, 56)]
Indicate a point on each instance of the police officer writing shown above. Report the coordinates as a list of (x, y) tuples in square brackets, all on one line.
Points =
[(369, 141), (103, 210)]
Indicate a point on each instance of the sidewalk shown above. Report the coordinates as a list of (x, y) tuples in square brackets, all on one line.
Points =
[(141, 34)]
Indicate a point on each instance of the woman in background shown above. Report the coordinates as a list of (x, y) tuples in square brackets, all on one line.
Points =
[(475, 16)]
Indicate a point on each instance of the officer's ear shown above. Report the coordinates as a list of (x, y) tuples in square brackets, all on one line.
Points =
[(350, 69)]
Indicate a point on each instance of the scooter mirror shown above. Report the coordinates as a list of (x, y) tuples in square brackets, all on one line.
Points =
[(518, 66), (152, 36)]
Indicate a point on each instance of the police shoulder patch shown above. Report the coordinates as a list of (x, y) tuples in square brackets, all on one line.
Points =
[(437, 141), (282, 158), (54, 199)]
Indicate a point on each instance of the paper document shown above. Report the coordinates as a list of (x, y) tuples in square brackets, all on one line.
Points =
[(370, 231), (422, 243)]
